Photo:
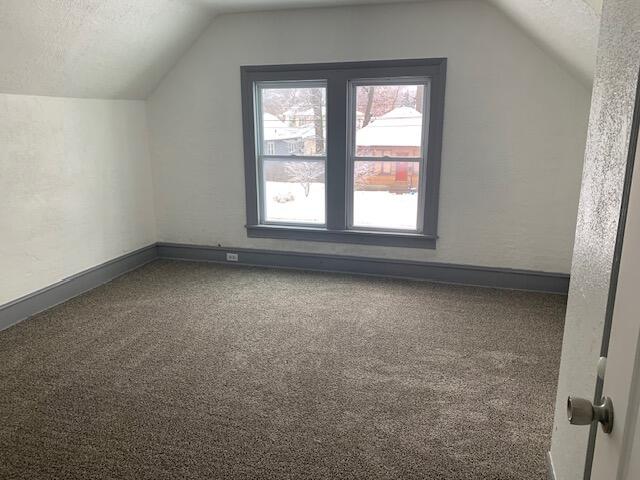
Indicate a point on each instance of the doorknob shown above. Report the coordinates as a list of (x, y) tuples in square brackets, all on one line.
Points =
[(582, 412)]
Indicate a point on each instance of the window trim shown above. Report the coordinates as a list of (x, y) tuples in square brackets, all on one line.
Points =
[(338, 76)]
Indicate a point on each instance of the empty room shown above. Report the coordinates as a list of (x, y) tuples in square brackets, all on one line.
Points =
[(319, 239)]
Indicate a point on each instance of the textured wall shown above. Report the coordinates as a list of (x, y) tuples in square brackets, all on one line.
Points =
[(515, 128), (75, 187), (598, 213)]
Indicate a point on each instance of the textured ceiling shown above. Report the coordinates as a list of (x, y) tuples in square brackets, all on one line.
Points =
[(93, 48), (228, 6), (122, 48), (566, 28)]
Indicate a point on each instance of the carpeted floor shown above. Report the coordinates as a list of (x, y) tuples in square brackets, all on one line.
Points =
[(197, 371)]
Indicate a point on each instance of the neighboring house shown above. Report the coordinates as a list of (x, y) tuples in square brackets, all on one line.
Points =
[(394, 134), (281, 139), (297, 118)]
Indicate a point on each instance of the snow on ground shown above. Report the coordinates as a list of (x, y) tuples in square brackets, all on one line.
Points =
[(385, 210), (372, 209), (300, 210)]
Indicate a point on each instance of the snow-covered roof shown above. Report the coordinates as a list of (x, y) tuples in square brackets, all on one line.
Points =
[(401, 127), (276, 129), (292, 112), (307, 131), (271, 121)]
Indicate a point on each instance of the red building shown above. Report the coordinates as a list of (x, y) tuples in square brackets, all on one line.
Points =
[(397, 133)]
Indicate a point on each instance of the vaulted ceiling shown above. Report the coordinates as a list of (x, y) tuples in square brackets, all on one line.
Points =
[(93, 48), (122, 48), (567, 29)]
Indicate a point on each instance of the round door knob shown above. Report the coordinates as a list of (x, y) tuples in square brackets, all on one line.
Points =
[(581, 411)]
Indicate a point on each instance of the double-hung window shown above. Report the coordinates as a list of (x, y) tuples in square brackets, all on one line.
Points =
[(291, 159), (344, 152)]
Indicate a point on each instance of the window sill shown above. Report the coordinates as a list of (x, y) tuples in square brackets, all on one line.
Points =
[(409, 240)]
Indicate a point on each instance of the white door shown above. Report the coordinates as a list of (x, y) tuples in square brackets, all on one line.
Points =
[(617, 455)]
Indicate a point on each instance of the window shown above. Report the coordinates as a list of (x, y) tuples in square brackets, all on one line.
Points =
[(291, 184), (344, 152), (385, 194), (271, 148)]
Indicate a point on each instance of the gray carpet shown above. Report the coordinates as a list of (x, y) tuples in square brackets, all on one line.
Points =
[(197, 371)]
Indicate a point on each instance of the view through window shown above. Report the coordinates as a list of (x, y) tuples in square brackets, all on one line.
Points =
[(388, 125), (294, 126), (344, 152)]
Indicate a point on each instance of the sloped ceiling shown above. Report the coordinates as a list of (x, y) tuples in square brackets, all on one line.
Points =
[(567, 29), (94, 48), (122, 48)]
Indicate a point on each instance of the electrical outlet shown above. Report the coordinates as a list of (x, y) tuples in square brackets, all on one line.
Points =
[(232, 257)]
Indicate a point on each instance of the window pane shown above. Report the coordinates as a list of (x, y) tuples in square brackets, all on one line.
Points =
[(385, 195), (388, 120), (294, 191), (294, 120)]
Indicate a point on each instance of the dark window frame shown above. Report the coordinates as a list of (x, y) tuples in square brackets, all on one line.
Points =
[(338, 77)]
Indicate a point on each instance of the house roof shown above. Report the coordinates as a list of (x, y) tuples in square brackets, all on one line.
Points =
[(275, 129), (123, 48), (292, 112), (401, 127), (308, 112)]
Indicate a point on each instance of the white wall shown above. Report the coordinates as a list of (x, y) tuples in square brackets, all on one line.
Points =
[(75, 187), (515, 128)]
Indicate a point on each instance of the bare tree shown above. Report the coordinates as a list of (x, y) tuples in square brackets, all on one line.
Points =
[(286, 103), (304, 173), (375, 101), (367, 109), (316, 100), (419, 98), (361, 173)]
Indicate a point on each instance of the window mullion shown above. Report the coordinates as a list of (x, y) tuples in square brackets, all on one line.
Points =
[(294, 158), (336, 151)]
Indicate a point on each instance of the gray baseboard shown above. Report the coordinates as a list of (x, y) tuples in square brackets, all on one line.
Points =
[(557, 283), (551, 472), (38, 301)]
